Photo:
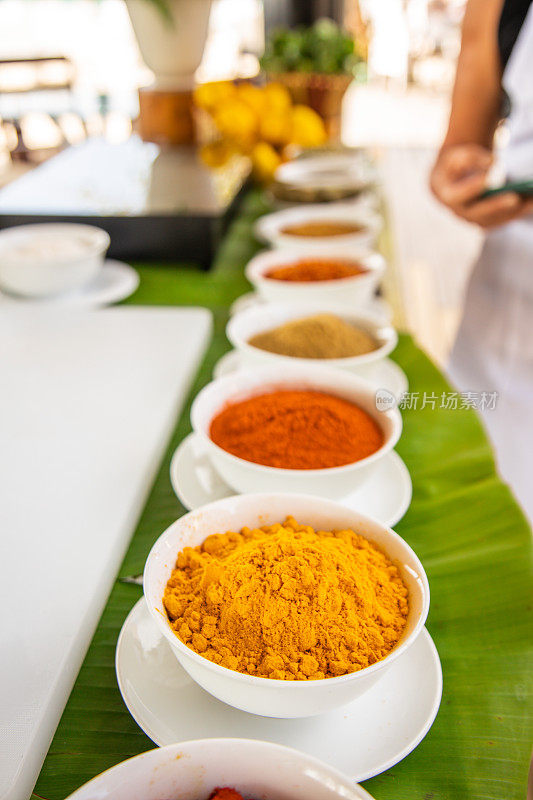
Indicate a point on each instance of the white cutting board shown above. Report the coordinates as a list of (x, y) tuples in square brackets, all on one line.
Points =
[(88, 401)]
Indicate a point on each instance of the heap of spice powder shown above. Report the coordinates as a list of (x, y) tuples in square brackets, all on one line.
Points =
[(296, 429), (288, 602), (225, 793), (320, 228), (316, 269), (317, 336)]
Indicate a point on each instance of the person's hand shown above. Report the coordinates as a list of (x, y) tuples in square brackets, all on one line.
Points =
[(460, 176)]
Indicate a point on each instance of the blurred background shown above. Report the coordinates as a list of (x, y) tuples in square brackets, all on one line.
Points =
[(71, 69)]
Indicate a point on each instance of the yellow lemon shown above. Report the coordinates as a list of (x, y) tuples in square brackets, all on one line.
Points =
[(265, 161), (307, 128), (253, 96), (277, 96), (210, 95), (276, 128), (236, 120)]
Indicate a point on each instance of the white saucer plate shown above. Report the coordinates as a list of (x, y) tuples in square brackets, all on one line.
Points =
[(362, 739), (334, 171), (386, 374), (385, 496), (115, 282), (378, 307)]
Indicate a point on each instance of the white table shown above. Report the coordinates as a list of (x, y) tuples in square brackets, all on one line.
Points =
[(88, 401)]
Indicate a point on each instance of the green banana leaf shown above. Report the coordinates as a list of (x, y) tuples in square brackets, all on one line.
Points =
[(463, 523)]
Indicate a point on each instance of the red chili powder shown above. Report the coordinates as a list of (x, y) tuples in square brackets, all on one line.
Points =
[(225, 793), (316, 269), (296, 430)]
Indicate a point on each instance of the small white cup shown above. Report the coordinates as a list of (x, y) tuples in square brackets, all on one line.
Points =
[(270, 228), (29, 269), (247, 476), (246, 324), (352, 293)]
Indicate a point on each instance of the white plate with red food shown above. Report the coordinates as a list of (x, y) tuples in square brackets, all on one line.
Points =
[(222, 769)]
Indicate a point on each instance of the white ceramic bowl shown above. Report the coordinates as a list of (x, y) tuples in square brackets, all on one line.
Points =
[(252, 321), (265, 696), (269, 228), (349, 171), (246, 476), (192, 770), (352, 293), (48, 259)]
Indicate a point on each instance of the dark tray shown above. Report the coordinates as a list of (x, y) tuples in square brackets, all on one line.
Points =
[(155, 204)]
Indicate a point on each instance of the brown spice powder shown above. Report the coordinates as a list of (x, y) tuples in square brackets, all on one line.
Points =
[(317, 336)]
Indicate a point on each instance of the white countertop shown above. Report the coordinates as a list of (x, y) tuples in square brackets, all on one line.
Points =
[(88, 401)]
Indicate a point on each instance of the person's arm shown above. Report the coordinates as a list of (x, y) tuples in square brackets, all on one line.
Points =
[(460, 172), (477, 94)]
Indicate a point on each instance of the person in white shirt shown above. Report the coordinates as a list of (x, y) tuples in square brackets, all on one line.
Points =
[(494, 347)]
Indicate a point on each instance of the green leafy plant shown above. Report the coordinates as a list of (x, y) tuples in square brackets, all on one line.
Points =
[(324, 47)]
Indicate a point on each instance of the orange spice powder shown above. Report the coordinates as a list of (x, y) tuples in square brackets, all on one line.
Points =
[(293, 429), (316, 269), (319, 228)]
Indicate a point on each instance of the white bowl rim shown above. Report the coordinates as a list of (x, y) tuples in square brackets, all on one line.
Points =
[(230, 741), (373, 262), (341, 209), (101, 240), (268, 226), (307, 167), (373, 321), (393, 414), (299, 686)]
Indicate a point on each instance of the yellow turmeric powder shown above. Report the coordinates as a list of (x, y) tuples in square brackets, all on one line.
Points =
[(287, 602)]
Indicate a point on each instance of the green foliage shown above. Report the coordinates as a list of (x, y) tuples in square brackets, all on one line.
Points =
[(324, 47)]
